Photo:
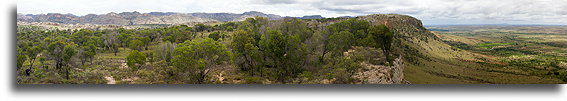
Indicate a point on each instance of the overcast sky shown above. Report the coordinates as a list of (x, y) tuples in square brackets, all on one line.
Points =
[(431, 12)]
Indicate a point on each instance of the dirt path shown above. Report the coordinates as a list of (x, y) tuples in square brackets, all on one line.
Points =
[(110, 80)]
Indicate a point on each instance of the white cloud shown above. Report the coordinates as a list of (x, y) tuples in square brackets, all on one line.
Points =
[(430, 11)]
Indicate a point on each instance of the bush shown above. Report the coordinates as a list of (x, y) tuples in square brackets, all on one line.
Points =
[(194, 58), (215, 36), (135, 59), (136, 45), (253, 80), (341, 69)]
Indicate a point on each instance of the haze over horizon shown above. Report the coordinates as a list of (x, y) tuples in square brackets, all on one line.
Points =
[(431, 12)]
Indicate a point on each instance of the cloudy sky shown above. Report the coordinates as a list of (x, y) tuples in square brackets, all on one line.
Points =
[(431, 12)]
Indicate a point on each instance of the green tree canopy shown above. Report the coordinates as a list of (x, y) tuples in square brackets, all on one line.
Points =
[(297, 27), (135, 59), (195, 58), (384, 37), (341, 42), (68, 52), (286, 52), (247, 56), (136, 45), (215, 36)]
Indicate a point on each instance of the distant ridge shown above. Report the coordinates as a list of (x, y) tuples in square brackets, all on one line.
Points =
[(136, 18)]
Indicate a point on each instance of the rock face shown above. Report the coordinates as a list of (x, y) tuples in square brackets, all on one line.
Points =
[(402, 25), (374, 68), (136, 18), (380, 74)]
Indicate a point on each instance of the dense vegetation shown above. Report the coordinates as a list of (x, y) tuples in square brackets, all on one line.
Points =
[(256, 50)]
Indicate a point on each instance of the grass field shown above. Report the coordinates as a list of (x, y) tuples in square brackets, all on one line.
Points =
[(502, 54)]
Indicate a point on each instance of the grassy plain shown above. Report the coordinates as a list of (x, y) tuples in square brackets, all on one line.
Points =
[(502, 54)]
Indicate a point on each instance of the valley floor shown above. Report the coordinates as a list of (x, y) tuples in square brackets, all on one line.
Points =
[(502, 55)]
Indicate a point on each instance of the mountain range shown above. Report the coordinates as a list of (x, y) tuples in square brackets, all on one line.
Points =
[(137, 18)]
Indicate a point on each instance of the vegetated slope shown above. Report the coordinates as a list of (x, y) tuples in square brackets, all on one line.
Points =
[(430, 60), (519, 49)]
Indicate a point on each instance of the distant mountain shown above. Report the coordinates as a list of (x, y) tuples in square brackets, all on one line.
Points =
[(318, 17), (162, 13), (235, 17), (135, 18), (346, 17), (311, 17)]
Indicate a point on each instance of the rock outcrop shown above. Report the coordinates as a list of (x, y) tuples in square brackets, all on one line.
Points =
[(380, 74), (374, 68)]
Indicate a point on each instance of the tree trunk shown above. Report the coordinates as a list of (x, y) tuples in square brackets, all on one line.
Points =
[(322, 58), (83, 61), (31, 63), (67, 70)]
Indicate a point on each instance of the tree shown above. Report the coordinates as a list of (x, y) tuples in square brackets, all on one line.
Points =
[(56, 52), (357, 28), (384, 37), (297, 27), (256, 25), (21, 58), (124, 38), (202, 27), (136, 45), (87, 52), (68, 52), (165, 51), (228, 26), (81, 36), (196, 58), (135, 59), (178, 34), (146, 41), (353, 25), (341, 69), (247, 56), (215, 36), (111, 42), (286, 52), (151, 34), (369, 41), (340, 42), (32, 53)]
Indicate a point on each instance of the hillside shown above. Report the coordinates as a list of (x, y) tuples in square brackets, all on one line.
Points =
[(431, 60)]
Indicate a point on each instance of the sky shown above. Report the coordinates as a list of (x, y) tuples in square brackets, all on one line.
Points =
[(431, 12)]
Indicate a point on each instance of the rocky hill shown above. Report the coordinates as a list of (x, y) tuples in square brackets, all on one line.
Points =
[(427, 58)]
